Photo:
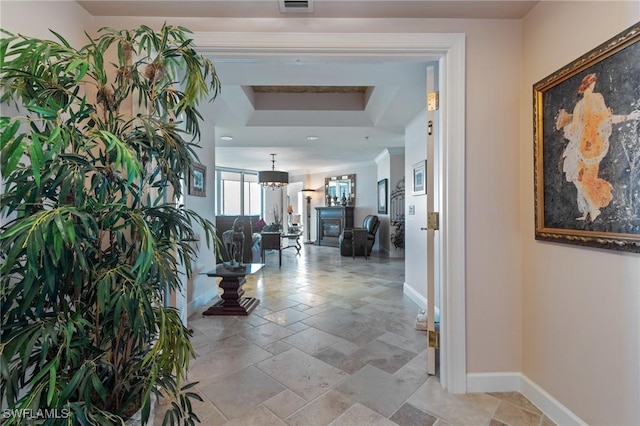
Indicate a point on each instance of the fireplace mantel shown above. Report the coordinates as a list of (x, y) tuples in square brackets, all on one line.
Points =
[(330, 222)]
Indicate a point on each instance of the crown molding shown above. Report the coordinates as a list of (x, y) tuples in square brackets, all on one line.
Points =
[(338, 44)]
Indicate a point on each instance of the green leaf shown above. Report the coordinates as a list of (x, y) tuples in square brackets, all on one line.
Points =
[(36, 160), (47, 113), (98, 387), (52, 385), (8, 129), (11, 155)]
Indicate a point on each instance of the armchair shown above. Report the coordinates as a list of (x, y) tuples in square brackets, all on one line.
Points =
[(371, 224)]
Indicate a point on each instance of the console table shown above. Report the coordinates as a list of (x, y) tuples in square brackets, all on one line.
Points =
[(233, 279), (330, 222)]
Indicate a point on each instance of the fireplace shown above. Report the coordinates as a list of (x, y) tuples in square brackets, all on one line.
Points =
[(330, 222), (331, 228)]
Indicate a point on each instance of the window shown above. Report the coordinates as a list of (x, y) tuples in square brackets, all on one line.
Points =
[(238, 193), (252, 195)]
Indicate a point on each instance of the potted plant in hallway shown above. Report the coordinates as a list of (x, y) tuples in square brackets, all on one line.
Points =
[(92, 238)]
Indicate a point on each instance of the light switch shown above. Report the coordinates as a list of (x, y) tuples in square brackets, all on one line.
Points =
[(412, 209)]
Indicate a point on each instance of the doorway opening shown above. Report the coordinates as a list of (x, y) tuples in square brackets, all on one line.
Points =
[(449, 51)]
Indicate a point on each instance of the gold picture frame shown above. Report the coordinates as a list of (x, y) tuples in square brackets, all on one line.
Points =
[(587, 148)]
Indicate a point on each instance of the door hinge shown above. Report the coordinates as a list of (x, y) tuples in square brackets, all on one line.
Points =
[(434, 339), (433, 220), (433, 101)]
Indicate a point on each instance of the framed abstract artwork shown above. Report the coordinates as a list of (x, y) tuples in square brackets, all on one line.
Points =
[(587, 148)]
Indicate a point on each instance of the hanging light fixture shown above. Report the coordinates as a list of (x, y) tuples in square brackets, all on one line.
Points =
[(273, 178)]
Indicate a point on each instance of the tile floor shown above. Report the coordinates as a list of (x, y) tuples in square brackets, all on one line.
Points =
[(331, 343)]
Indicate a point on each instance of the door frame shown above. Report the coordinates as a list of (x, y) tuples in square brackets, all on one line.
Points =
[(449, 50)]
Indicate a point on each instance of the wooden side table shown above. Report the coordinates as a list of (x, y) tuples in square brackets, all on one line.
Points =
[(233, 279)]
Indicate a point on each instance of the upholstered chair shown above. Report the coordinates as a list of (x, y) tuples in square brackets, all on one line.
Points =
[(345, 242)]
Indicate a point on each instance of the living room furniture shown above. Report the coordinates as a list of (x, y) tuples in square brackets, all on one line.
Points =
[(370, 224), (331, 222), (271, 241), (360, 240), (232, 302), (275, 241), (251, 236), (295, 236)]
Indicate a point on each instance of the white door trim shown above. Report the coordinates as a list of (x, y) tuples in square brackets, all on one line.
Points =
[(449, 50)]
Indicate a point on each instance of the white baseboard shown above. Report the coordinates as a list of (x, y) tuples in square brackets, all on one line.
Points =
[(555, 410), (517, 382), (494, 382), (208, 297), (418, 299)]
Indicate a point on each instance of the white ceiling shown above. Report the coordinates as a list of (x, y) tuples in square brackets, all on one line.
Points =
[(347, 133), (350, 131)]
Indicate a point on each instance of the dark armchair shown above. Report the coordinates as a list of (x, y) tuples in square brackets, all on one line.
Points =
[(371, 224)]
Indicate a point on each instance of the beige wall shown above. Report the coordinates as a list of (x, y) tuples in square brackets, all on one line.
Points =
[(35, 18), (580, 306)]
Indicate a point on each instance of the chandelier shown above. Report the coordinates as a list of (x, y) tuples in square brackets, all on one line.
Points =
[(273, 178)]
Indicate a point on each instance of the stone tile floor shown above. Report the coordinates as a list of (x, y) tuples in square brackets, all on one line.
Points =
[(331, 343)]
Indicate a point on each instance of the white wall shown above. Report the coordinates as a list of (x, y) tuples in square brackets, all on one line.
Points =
[(383, 163), (296, 200), (580, 306), (201, 288), (274, 200), (390, 163), (415, 264)]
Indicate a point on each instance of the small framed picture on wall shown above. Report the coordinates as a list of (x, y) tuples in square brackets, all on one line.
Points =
[(419, 178), (198, 180), (382, 196)]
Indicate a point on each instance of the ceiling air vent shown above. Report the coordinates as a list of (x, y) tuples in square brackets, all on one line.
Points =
[(304, 6)]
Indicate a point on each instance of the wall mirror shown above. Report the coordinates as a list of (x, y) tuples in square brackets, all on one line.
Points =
[(340, 190)]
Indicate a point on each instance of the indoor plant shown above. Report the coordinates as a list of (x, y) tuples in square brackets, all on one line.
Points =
[(91, 238)]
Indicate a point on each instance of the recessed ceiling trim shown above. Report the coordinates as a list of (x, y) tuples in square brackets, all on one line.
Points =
[(309, 89)]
